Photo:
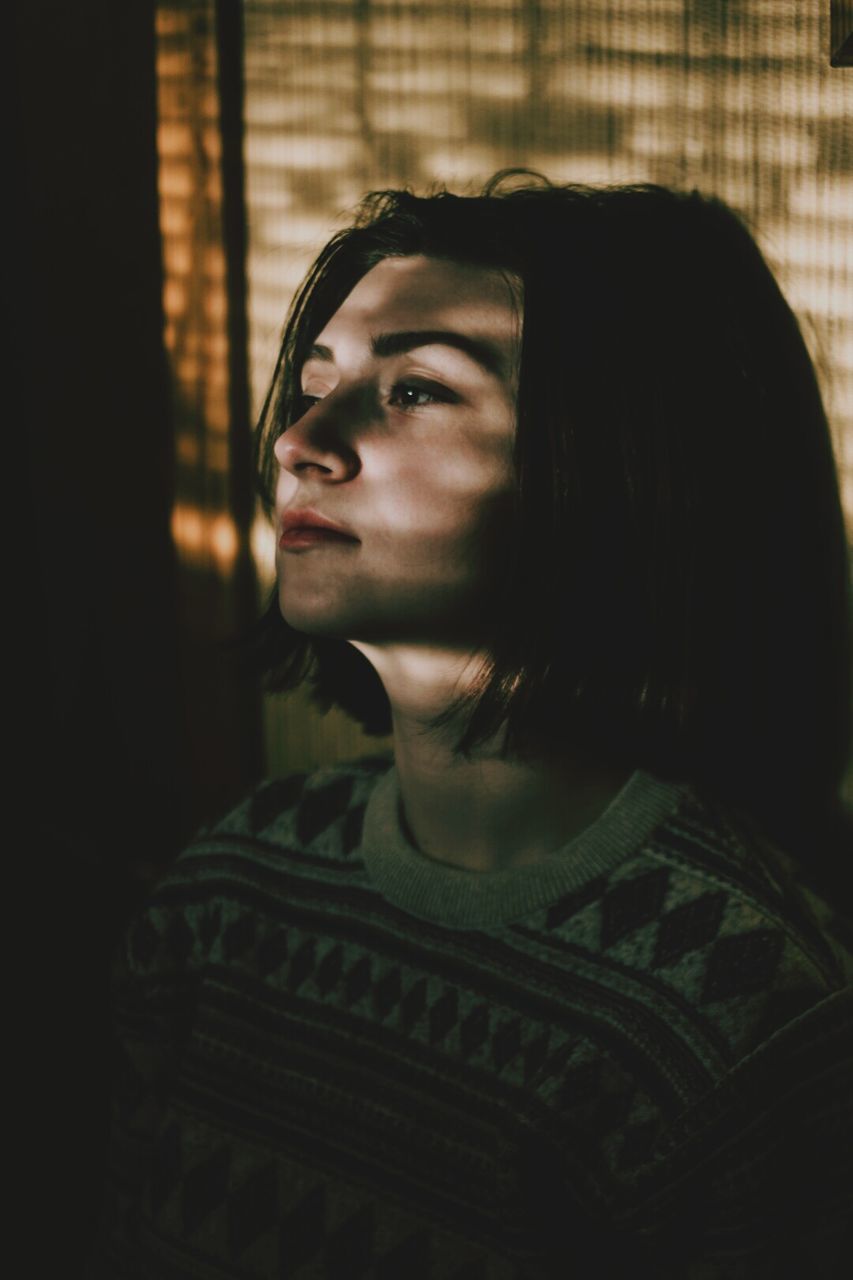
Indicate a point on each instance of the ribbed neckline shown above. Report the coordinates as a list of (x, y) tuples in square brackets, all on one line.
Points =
[(460, 898)]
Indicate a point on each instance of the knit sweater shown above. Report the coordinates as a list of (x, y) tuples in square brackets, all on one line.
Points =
[(340, 1058)]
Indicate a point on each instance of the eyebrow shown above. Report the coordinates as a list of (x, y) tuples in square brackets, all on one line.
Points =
[(483, 352)]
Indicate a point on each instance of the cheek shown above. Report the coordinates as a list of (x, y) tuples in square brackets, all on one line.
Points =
[(452, 525), (285, 489), (478, 507), (451, 488)]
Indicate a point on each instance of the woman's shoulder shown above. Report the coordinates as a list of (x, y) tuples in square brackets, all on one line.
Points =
[(723, 854), (302, 806), (301, 828), (739, 932)]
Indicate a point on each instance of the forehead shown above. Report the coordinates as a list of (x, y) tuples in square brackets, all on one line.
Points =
[(418, 292)]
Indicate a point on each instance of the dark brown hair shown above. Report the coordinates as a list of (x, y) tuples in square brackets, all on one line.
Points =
[(672, 442)]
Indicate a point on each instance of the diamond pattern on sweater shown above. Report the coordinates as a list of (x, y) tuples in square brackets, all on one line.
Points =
[(742, 964), (535, 1054), (302, 964), (272, 952), (506, 1042), (238, 937), (631, 904), (689, 927), (253, 1209), (210, 928), (580, 1086), (352, 828), (205, 1188), (573, 902), (272, 800), (357, 981), (412, 1005), (366, 1242), (329, 970), (474, 1030), (443, 1015), (387, 993), (629, 1142), (320, 807)]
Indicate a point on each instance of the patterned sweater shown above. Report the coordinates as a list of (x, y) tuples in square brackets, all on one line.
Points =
[(339, 1058)]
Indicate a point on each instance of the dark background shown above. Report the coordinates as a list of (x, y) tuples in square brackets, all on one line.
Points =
[(114, 779)]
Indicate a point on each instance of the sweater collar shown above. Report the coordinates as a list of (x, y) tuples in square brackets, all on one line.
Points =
[(460, 898)]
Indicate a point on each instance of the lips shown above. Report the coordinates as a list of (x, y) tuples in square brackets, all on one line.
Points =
[(307, 528)]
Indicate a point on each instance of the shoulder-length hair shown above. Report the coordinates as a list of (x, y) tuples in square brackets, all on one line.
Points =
[(672, 452)]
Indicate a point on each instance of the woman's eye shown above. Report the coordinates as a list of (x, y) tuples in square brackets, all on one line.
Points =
[(304, 402), (408, 395)]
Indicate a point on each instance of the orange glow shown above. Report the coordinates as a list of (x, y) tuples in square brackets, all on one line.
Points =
[(223, 543), (204, 540), (263, 550)]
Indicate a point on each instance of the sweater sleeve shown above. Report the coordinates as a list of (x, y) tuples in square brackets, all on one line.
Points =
[(756, 1181)]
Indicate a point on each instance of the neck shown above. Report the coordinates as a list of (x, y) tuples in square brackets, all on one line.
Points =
[(486, 812)]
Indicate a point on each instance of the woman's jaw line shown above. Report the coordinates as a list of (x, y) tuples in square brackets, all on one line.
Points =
[(423, 676)]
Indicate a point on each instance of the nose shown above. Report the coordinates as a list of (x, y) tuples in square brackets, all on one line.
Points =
[(318, 442)]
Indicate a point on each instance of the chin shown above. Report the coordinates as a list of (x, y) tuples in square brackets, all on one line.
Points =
[(315, 618), (312, 624), (401, 617)]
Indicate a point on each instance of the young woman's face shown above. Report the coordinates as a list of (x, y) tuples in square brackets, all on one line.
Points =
[(405, 443)]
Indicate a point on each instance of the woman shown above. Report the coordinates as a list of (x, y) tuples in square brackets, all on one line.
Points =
[(547, 993)]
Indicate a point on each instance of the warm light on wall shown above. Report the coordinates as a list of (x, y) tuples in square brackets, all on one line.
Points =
[(204, 540), (195, 298), (263, 550)]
